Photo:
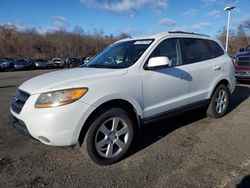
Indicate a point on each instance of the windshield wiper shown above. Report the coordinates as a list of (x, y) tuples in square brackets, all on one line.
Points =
[(95, 66)]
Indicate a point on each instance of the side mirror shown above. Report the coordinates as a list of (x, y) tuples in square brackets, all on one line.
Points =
[(241, 50), (156, 62)]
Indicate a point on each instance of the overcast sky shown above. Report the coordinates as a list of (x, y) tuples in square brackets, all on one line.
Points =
[(136, 17)]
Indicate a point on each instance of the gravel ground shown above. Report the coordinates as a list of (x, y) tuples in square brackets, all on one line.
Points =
[(190, 150)]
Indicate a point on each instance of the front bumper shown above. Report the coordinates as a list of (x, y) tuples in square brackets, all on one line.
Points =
[(58, 65), (57, 126), (20, 126), (242, 74)]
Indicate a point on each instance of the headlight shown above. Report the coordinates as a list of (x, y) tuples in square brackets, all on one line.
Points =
[(59, 98)]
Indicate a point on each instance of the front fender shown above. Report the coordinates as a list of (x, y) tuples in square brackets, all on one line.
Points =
[(98, 103), (131, 100)]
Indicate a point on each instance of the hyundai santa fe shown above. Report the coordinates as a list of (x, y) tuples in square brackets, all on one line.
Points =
[(129, 84)]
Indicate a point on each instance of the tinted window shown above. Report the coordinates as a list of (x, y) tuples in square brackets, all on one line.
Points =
[(196, 50), (215, 49), (168, 48)]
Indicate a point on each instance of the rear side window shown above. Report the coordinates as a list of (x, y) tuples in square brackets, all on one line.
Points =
[(215, 49), (196, 50)]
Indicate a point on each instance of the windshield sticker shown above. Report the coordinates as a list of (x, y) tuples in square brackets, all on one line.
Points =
[(143, 42)]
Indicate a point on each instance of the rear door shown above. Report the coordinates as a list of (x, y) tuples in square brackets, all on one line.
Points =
[(203, 63)]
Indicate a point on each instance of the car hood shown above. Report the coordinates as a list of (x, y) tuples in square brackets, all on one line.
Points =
[(65, 79), (243, 54)]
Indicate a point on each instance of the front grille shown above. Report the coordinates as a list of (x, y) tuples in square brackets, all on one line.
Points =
[(243, 61), (19, 100)]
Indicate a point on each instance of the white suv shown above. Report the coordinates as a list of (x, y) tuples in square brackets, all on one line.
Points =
[(131, 83)]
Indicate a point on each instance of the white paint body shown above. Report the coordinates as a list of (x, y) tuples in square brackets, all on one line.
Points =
[(151, 92)]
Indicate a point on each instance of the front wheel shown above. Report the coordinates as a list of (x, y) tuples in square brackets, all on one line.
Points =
[(219, 102), (109, 136)]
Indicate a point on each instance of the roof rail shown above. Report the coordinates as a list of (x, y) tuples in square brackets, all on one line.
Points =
[(184, 32)]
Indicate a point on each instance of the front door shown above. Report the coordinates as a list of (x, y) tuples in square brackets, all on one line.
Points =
[(165, 88)]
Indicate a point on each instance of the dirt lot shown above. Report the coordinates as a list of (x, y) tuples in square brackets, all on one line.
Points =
[(191, 150)]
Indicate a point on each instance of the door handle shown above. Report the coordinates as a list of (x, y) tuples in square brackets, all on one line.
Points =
[(217, 67)]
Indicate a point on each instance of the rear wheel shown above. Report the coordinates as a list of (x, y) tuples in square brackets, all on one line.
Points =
[(109, 136), (219, 102)]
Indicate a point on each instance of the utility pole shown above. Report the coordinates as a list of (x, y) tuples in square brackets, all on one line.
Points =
[(228, 23)]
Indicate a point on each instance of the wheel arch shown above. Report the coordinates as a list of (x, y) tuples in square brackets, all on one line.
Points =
[(222, 81), (121, 103)]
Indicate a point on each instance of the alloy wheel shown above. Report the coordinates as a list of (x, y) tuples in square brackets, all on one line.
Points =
[(112, 137), (221, 101)]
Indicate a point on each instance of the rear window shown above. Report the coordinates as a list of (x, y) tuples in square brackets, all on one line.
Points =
[(196, 50), (214, 48)]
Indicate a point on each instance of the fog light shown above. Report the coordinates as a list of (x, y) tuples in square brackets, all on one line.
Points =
[(43, 139)]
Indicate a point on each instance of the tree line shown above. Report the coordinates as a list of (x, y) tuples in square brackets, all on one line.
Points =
[(60, 43)]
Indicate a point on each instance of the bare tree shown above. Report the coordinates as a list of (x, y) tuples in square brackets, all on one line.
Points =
[(237, 39), (59, 43)]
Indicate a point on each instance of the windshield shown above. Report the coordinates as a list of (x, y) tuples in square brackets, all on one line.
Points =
[(21, 62), (120, 55), (41, 60)]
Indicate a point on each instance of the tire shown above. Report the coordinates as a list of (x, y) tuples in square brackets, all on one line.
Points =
[(109, 136), (219, 102)]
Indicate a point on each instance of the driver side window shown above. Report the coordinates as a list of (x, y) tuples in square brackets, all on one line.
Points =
[(168, 48)]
